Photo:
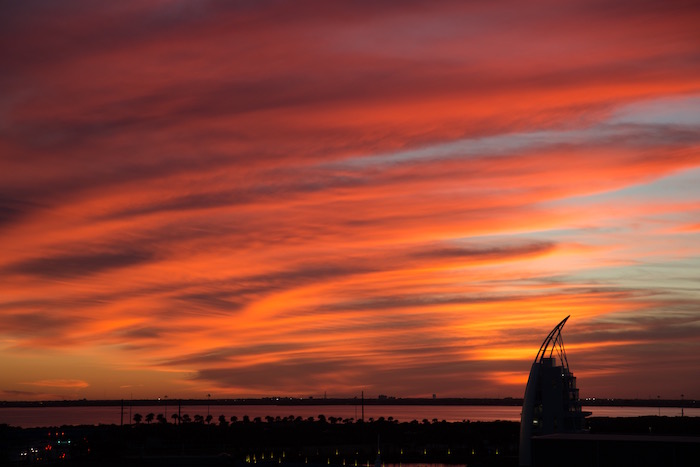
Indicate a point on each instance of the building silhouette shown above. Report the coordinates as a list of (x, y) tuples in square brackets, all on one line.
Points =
[(551, 403)]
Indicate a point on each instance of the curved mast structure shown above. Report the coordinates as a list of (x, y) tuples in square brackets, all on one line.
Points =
[(553, 342)]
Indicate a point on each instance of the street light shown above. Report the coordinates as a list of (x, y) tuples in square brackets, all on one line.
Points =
[(681, 405)]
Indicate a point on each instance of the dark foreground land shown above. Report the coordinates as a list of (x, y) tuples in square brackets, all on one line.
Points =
[(294, 442)]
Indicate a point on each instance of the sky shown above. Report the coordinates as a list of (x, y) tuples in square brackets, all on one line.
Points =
[(267, 198)]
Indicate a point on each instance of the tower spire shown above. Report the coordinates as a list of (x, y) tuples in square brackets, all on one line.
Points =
[(551, 403)]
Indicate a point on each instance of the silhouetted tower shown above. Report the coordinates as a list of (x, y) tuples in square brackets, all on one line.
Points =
[(551, 403)]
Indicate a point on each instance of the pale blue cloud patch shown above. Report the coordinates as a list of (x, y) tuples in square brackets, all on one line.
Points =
[(673, 283), (645, 123), (488, 146), (681, 185), (676, 110)]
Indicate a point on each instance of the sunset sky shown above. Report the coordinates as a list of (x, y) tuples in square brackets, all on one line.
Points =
[(261, 198)]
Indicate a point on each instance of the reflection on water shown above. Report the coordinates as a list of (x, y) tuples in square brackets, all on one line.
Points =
[(55, 416), (28, 417)]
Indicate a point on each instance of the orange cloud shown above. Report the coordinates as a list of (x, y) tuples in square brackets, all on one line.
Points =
[(60, 383)]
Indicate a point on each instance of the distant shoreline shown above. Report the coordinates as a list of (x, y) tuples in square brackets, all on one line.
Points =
[(289, 401)]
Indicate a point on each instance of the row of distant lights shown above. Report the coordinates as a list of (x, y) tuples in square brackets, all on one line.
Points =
[(58, 441), (253, 459)]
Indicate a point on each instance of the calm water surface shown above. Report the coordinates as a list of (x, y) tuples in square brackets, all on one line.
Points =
[(28, 417)]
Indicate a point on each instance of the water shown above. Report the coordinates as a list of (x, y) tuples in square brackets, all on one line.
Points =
[(55, 416), (29, 417)]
